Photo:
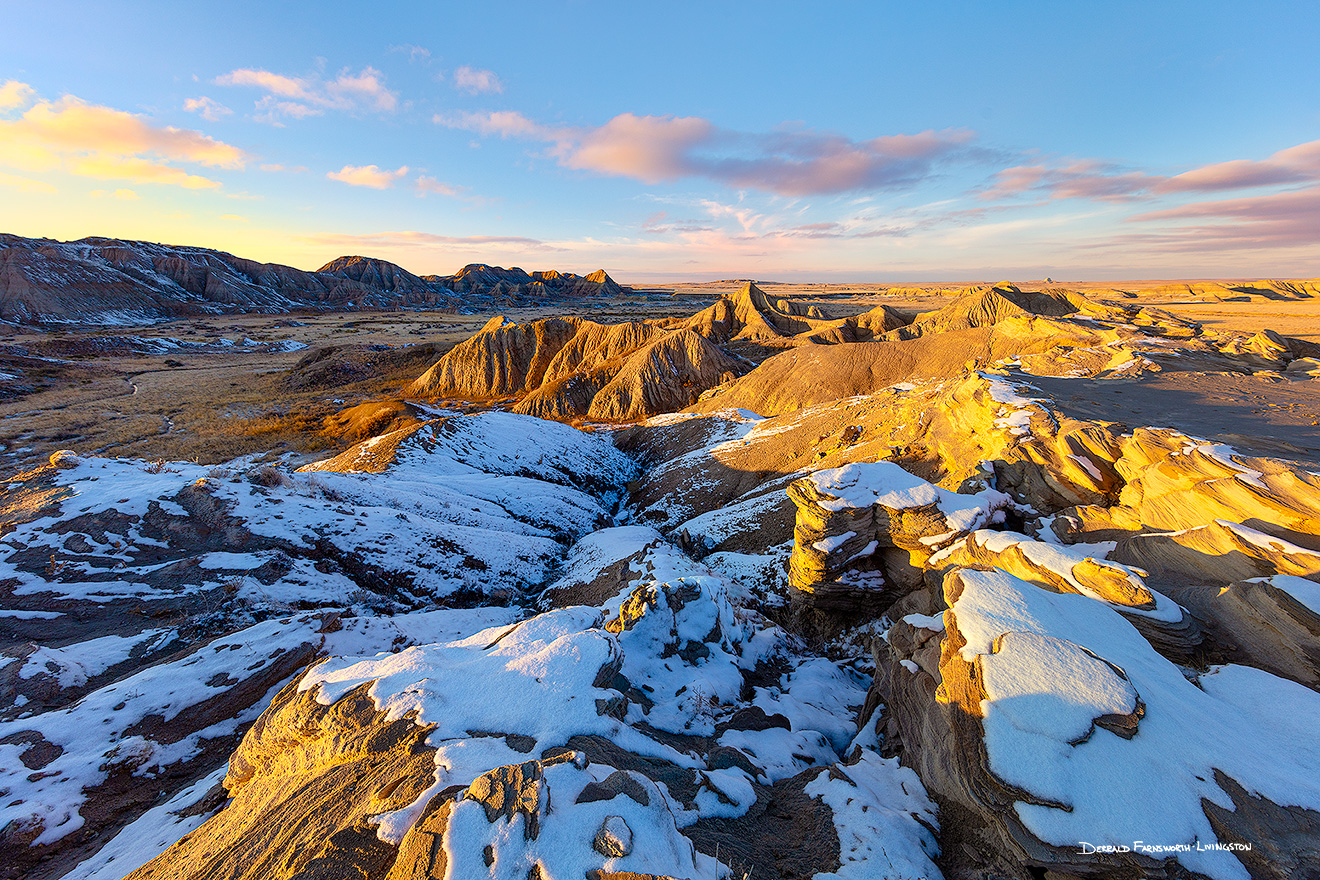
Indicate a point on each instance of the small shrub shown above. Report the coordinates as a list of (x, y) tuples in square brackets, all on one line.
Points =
[(268, 476)]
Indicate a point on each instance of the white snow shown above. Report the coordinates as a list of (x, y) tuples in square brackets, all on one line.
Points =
[(863, 484), (150, 834), (93, 731), (1304, 591), (1062, 558), (566, 832), (883, 819), (833, 542), (74, 665), (1258, 729)]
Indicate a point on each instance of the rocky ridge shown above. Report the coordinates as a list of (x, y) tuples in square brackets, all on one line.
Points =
[(110, 281)]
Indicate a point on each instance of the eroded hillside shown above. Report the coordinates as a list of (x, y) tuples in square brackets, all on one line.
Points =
[(883, 595)]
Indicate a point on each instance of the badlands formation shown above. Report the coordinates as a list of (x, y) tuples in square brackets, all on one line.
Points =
[(1019, 587)]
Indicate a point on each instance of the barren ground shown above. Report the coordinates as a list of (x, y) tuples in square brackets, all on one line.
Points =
[(213, 405)]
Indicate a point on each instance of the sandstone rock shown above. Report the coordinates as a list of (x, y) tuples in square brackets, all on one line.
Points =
[(1215, 553), (1264, 624), (344, 760), (847, 514), (1030, 682), (1174, 482), (751, 314), (569, 368), (614, 839), (1163, 622), (668, 374)]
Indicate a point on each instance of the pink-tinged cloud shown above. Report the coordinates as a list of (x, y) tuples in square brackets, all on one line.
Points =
[(431, 186), (1079, 179), (505, 123), (656, 149), (476, 81), (412, 238), (368, 175), (1294, 165), (209, 109), (300, 97), (1101, 181), (109, 144), (1278, 220), (73, 125), (650, 148)]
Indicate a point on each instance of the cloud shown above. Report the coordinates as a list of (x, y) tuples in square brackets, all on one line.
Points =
[(368, 175), (301, 97), (14, 94), (429, 185), (409, 238), (1093, 179), (1079, 179), (657, 149), (1294, 165), (109, 144), (476, 81), (124, 195), (414, 53), (210, 110), (1277, 220), (25, 184)]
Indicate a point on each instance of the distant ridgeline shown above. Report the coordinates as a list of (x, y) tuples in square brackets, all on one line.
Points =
[(109, 281)]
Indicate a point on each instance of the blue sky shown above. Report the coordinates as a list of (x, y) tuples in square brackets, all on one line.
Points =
[(849, 141)]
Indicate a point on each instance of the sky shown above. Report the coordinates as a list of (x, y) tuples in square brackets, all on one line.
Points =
[(875, 141)]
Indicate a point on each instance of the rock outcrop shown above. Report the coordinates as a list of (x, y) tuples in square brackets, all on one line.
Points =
[(1036, 713), (847, 515), (566, 368)]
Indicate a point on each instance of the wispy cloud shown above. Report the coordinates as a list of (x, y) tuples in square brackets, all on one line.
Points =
[(1078, 179), (1104, 181), (431, 186), (1294, 165), (298, 97), (209, 109), (414, 53), (109, 144), (25, 184), (410, 238), (368, 175), (124, 195), (656, 149), (1277, 220), (476, 81)]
